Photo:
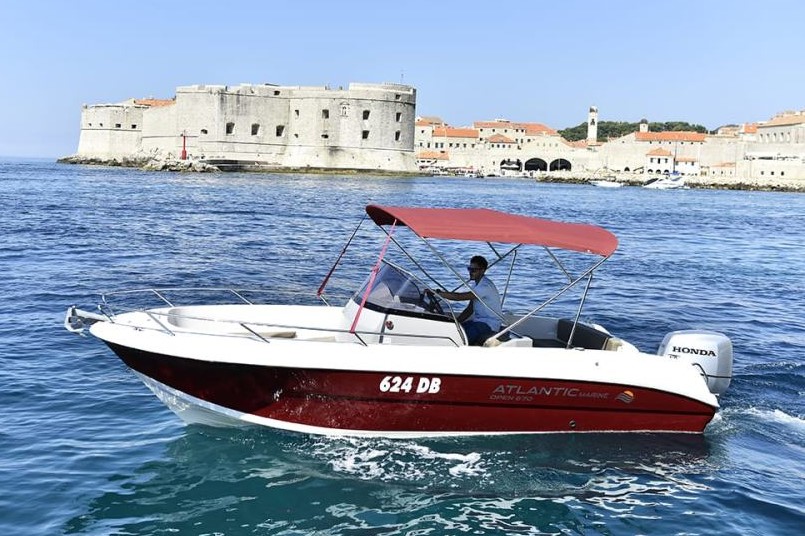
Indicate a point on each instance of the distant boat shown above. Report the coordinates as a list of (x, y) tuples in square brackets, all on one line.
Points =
[(603, 183), (674, 181)]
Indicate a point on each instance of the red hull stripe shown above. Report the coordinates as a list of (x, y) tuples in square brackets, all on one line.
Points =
[(377, 401)]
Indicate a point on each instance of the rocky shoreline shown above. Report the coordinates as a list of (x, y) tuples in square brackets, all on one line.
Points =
[(150, 163), (145, 163)]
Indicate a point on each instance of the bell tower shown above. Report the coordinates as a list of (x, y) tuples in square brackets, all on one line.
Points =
[(592, 126)]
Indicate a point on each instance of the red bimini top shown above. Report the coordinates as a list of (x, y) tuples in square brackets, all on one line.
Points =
[(486, 225)]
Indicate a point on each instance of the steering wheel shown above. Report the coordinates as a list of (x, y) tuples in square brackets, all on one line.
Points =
[(431, 303)]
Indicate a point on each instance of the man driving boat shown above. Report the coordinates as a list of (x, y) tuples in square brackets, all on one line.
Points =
[(481, 318)]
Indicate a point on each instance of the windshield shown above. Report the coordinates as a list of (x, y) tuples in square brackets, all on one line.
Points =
[(393, 289)]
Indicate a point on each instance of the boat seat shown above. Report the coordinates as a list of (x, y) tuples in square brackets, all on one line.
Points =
[(584, 337)]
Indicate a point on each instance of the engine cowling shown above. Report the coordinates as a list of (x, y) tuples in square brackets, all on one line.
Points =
[(708, 350)]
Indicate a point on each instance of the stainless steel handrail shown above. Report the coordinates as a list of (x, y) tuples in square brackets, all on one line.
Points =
[(111, 310)]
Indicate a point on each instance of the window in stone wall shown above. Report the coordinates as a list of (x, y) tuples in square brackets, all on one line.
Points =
[(204, 131), (280, 130), (133, 127), (324, 135), (276, 92), (365, 134), (398, 117), (325, 114), (296, 113), (117, 125), (230, 128), (396, 96), (397, 136), (255, 129), (365, 115)]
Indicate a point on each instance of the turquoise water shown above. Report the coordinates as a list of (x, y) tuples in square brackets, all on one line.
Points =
[(87, 449)]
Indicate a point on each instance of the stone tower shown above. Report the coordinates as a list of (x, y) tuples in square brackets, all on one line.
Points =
[(592, 126), (643, 125)]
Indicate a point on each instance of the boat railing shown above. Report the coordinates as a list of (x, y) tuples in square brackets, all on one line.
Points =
[(116, 303), (163, 295), (266, 331)]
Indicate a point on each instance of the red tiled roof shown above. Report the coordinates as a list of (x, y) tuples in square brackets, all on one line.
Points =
[(499, 138), (783, 120), (432, 155), (750, 128), (670, 136), (535, 129), (529, 128), (155, 102), (455, 132), (425, 121)]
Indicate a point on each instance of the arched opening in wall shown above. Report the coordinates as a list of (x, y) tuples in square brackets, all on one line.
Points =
[(536, 164), (626, 169), (560, 164)]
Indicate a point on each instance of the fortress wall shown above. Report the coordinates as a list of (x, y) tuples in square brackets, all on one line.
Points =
[(771, 170), (300, 126), (160, 132), (368, 126), (241, 122), (110, 131)]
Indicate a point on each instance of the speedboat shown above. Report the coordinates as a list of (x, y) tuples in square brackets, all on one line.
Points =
[(674, 181), (605, 183), (392, 360)]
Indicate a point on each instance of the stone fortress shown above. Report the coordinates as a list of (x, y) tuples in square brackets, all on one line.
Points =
[(367, 127), (374, 128)]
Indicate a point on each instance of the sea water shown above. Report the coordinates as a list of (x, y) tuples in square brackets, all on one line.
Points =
[(87, 449)]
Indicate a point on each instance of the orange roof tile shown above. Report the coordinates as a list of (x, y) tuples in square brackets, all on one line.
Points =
[(750, 128), (155, 102), (424, 121), (432, 155), (670, 136), (455, 132), (529, 128), (499, 138), (535, 129), (784, 120)]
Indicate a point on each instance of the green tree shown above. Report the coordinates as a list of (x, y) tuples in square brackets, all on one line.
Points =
[(616, 129)]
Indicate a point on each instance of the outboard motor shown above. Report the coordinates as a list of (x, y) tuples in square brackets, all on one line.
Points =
[(709, 351)]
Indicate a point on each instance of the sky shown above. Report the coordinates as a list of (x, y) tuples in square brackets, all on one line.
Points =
[(707, 62)]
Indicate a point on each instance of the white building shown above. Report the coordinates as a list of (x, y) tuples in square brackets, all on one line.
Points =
[(770, 150)]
